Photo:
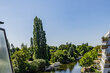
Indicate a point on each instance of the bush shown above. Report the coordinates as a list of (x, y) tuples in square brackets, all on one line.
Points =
[(21, 64), (19, 61), (92, 69), (61, 56), (37, 65)]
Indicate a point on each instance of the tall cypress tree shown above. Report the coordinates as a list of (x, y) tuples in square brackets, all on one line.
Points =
[(39, 39)]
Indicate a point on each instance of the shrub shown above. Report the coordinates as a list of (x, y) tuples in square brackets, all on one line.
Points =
[(19, 61), (37, 65), (105, 38)]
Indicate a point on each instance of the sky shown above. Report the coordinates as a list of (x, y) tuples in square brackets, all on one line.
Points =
[(75, 21)]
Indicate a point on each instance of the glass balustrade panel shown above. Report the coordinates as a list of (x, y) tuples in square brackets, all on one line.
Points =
[(5, 66)]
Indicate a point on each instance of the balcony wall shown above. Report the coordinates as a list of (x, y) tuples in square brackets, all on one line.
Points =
[(108, 43)]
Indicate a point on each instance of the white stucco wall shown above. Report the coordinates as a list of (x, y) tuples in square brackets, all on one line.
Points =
[(108, 50), (106, 70)]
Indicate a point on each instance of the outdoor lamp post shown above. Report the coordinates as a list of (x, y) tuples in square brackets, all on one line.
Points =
[(5, 62)]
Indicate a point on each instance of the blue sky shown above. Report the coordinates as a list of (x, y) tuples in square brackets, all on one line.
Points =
[(76, 21)]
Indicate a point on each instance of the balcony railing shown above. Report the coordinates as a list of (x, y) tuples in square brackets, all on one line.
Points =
[(104, 46), (105, 39), (107, 66), (107, 62), (108, 54)]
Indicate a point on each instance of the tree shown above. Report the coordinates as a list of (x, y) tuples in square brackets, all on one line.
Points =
[(39, 39), (86, 60), (12, 46), (88, 57), (60, 56), (52, 59), (22, 45), (62, 47), (25, 51), (48, 52), (53, 47), (82, 49), (31, 42), (19, 61), (31, 48), (71, 52), (13, 49)]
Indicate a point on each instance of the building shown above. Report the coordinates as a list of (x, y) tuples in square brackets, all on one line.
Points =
[(105, 60)]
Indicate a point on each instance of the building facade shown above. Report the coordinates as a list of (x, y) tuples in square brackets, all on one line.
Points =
[(105, 60)]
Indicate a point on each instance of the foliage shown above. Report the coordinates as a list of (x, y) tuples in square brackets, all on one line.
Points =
[(19, 61), (68, 52), (48, 52), (37, 65), (21, 65), (88, 58), (60, 56), (82, 49), (67, 46), (93, 68), (25, 51), (71, 50), (39, 39), (53, 48), (71, 59), (62, 47), (13, 49), (38, 55), (52, 59), (31, 49), (31, 52), (98, 48), (31, 42), (105, 38)]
